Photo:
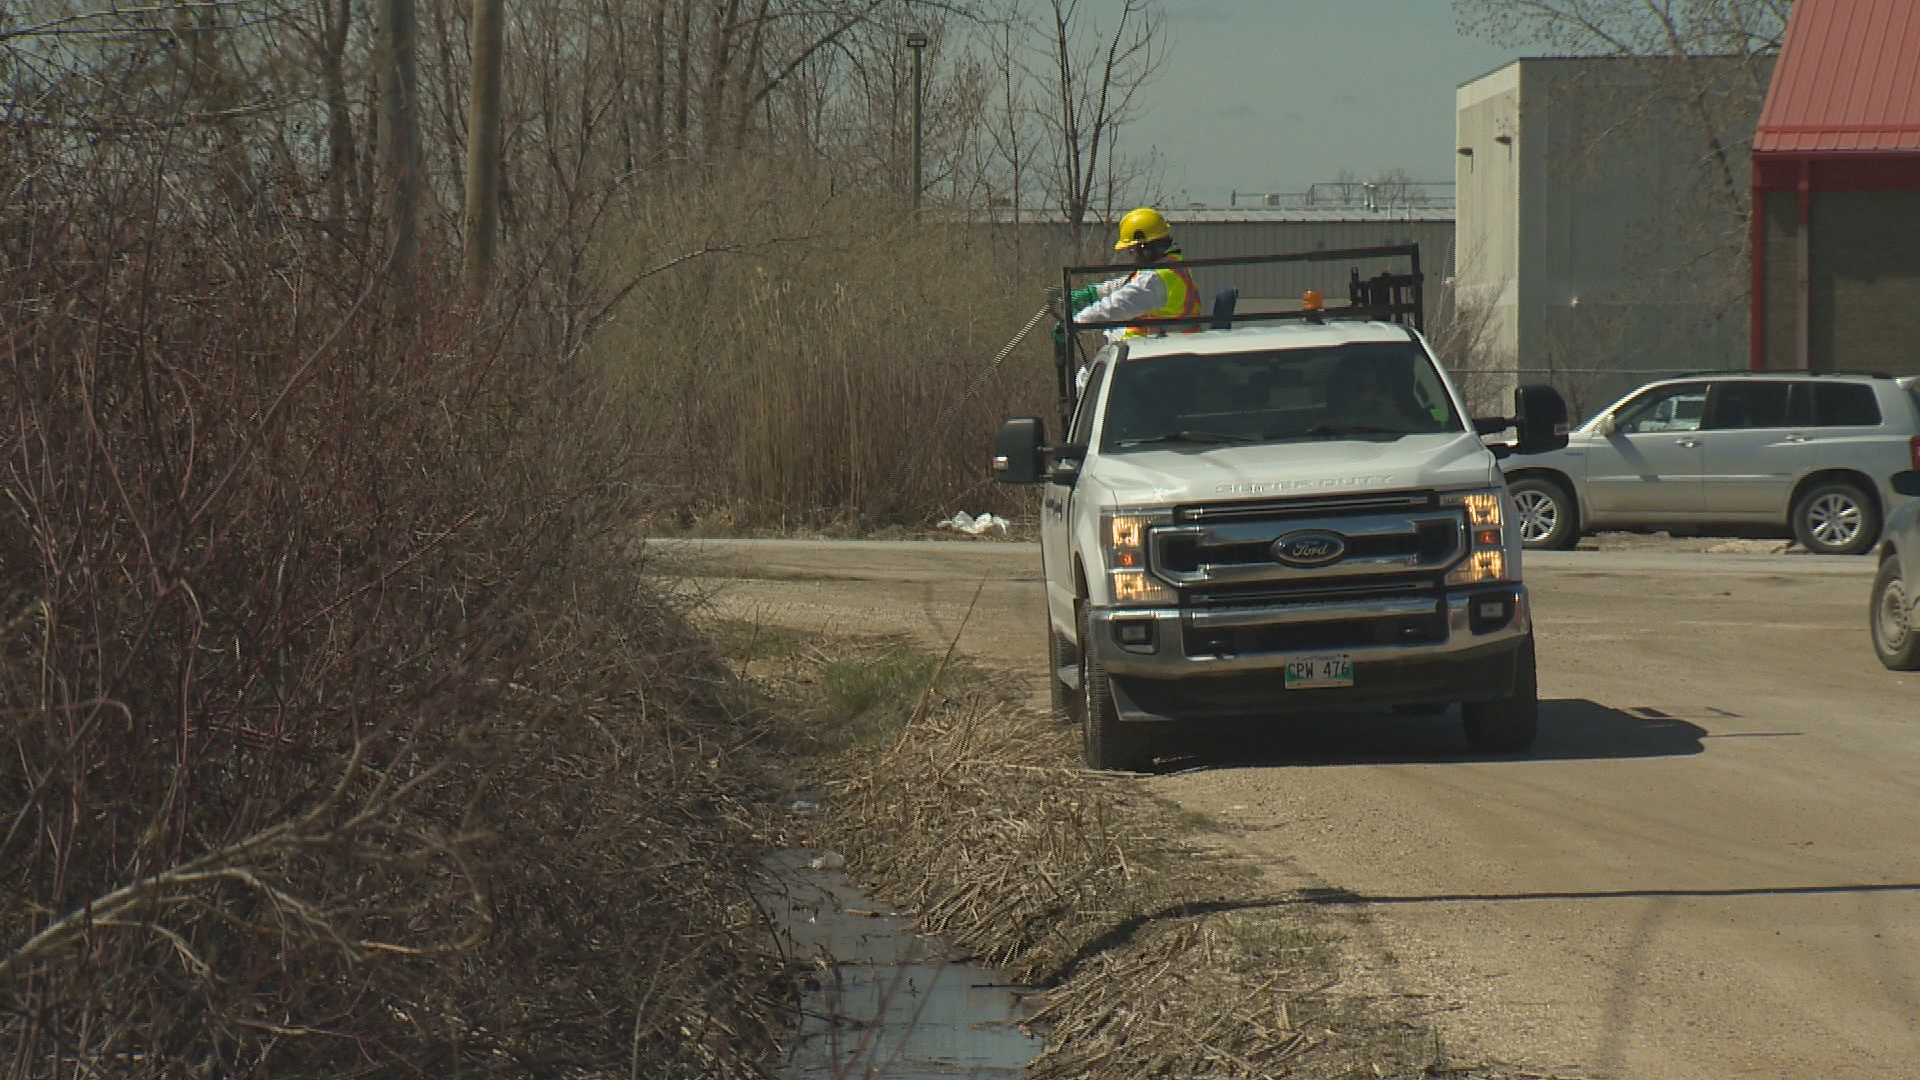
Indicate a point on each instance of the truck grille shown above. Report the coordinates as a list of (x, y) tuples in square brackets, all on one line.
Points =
[(1388, 546), (1423, 629)]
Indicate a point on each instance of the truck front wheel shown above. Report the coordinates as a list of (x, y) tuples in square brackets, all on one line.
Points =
[(1509, 724), (1110, 744)]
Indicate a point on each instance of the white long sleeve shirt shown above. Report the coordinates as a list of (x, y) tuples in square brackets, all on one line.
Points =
[(1139, 293)]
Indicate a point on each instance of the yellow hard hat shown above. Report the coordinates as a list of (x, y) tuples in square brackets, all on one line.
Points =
[(1142, 226)]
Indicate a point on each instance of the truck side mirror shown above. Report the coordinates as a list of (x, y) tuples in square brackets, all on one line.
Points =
[(1066, 463), (1019, 451), (1906, 483), (1540, 417), (1490, 425)]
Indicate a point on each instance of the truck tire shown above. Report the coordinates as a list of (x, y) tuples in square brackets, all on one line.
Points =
[(1066, 703), (1507, 725), (1896, 640), (1110, 744), (1836, 518), (1549, 521)]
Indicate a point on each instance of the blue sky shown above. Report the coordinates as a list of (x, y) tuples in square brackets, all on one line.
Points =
[(1273, 95)]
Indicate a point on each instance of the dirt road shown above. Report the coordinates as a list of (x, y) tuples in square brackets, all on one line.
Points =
[(1709, 866)]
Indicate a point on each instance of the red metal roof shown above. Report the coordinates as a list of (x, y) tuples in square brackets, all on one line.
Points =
[(1848, 80)]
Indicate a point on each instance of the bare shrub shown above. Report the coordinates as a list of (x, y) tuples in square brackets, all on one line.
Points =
[(1464, 338), (341, 735)]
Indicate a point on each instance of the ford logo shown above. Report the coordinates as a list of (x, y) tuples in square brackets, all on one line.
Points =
[(1310, 547)]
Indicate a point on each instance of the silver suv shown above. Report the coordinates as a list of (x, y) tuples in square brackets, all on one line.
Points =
[(1807, 453)]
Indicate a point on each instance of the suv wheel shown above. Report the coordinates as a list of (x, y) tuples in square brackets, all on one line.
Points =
[(1548, 518), (1110, 744), (1507, 725), (1066, 703), (1836, 518), (1891, 618)]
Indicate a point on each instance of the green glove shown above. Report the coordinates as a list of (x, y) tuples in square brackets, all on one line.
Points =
[(1059, 332), (1083, 296)]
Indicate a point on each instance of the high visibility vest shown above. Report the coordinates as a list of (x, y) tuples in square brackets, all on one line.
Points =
[(1183, 299)]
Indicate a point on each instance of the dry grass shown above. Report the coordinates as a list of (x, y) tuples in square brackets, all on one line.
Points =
[(1159, 957), (796, 378)]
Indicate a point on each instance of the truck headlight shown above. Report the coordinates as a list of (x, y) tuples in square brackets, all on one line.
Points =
[(1486, 533), (1124, 542)]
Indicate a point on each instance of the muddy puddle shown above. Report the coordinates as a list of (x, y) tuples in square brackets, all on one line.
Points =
[(883, 1003)]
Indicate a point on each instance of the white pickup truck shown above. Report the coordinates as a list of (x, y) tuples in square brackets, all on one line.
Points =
[(1284, 520)]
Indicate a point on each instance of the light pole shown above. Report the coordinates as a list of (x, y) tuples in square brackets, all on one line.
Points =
[(916, 41)]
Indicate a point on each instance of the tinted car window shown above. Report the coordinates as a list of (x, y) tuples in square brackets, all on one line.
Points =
[(1362, 390), (1800, 405), (1670, 408), (1845, 405), (1748, 404)]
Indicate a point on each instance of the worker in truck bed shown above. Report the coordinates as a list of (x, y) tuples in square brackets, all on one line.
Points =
[(1159, 287)]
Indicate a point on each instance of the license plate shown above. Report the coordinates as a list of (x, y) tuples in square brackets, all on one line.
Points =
[(1317, 672)]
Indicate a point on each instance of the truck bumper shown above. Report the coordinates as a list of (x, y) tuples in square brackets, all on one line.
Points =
[(1203, 663)]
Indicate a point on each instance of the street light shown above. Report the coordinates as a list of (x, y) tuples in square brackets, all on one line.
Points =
[(916, 40)]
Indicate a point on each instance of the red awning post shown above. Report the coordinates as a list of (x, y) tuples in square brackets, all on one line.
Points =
[(1757, 251), (1803, 278)]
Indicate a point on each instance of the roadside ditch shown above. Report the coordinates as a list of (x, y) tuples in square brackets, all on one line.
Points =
[(1096, 919)]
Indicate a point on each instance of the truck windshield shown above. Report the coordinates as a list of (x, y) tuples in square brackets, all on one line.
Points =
[(1372, 390)]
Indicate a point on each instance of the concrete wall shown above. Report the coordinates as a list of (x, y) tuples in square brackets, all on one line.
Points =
[(1625, 217), (1487, 218)]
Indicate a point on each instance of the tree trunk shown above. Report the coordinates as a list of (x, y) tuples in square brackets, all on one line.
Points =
[(400, 106), (483, 145), (340, 163)]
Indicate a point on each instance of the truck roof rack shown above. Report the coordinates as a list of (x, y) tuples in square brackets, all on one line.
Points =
[(1385, 297)]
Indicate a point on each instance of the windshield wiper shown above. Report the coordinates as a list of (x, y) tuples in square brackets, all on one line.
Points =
[(1213, 437), (1335, 431)]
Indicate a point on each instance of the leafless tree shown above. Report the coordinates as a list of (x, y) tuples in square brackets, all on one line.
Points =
[(1098, 77)]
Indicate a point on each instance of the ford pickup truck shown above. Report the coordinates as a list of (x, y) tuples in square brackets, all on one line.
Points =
[(1286, 519)]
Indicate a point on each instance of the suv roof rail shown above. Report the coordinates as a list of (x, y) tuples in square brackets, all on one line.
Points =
[(1778, 373)]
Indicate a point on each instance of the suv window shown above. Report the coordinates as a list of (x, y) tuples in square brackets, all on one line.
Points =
[(1845, 405), (1750, 404), (1360, 390), (1669, 408)]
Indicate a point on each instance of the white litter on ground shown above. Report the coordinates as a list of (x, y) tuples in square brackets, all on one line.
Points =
[(984, 525)]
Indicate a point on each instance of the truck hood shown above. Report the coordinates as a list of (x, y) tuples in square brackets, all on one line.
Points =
[(1189, 474)]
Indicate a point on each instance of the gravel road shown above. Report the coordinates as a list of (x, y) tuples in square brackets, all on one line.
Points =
[(1708, 867)]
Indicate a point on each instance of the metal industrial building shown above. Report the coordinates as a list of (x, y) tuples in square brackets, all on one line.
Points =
[(1601, 219), (1836, 173)]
